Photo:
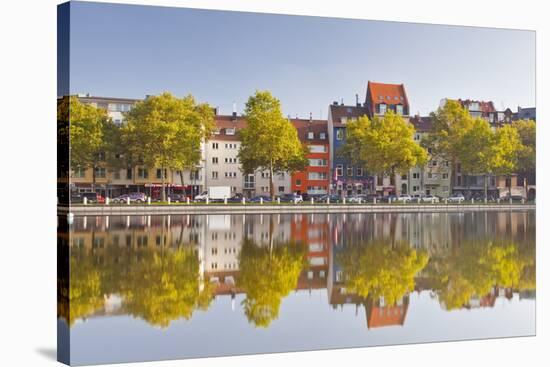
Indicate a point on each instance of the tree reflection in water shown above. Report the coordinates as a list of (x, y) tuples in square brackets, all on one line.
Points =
[(157, 285), (381, 269), (474, 268), (267, 275)]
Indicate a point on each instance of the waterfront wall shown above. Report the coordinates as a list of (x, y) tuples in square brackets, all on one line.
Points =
[(283, 208)]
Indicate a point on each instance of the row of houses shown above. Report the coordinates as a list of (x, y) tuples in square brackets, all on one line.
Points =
[(327, 172)]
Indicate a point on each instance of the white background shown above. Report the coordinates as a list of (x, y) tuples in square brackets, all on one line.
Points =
[(28, 173)]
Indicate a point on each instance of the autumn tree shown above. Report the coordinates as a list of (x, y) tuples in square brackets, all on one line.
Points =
[(269, 141), (380, 269), (87, 130), (383, 145), (166, 132), (446, 140), (267, 275), (507, 149)]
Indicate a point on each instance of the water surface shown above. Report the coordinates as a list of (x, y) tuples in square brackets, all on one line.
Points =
[(166, 287)]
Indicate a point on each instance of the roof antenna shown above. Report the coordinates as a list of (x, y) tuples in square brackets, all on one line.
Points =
[(310, 117), (234, 115)]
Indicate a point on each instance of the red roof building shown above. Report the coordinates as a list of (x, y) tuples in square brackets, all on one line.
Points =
[(315, 179), (382, 97)]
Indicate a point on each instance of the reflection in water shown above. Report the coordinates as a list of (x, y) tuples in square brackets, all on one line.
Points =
[(160, 269)]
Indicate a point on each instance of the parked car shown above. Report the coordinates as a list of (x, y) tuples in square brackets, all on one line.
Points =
[(237, 198), (331, 198), (404, 199), (514, 197), (357, 199), (429, 199), (389, 198), (456, 198), (291, 198), (135, 197), (91, 198), (257, 199), (370, 198)]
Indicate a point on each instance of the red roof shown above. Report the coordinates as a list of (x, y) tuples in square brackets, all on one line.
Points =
[(390, 94), (422, 124), (304, 126)]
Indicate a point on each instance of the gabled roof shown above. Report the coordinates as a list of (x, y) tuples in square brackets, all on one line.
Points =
[(390, 94), (339, 111), (422, 124), (316, 126), (224, 122)]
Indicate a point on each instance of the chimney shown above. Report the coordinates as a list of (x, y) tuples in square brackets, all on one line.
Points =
[(335, 103), (310, 118), (234, 114), (341, 101), (357, 100)]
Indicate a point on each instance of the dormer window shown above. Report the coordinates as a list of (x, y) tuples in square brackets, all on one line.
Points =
[(230, 131), (310, 135), (344, 120), (381, 98), (216, 131), (396, 98), (322, 136)]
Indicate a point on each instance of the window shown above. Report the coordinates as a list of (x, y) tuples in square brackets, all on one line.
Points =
[(380, 180), (339, 134), (215, 175), (458, 167), (318, 148), (117, 174), (100, 172), (416, 175), (403, 177), (214, 145), (101, 156), (317, 162), (317, 176), (322, 136), (382, 107), (445, 175), (194, 175), (399, 108), (430, 175), (128, 173), (298, 182), (281, 189), (417, 137), (339, 170), (359, 172), (381, 98), (159, 173), (143, 173), (79, 172), (310, 135), (281, 176), (434, 163), (230, 131), (350, 171), (215, 160)]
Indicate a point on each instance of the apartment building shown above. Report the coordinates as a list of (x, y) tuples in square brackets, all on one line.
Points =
[(223, 167), (435, 177), (315, 179), (347, 178)]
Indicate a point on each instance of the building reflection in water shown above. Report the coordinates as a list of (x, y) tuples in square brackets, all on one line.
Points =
[(164, 268)]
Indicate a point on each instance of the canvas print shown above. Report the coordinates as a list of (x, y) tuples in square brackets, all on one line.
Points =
[(236, 183)]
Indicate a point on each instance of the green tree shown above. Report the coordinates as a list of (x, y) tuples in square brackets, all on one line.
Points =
[(267, 275), (380, 269), (166, 132), (87, 129), (383, 145), (446, 140), (527, 154), (269, 141)]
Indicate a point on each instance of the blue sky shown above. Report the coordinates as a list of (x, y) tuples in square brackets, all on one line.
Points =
[(307, 62)]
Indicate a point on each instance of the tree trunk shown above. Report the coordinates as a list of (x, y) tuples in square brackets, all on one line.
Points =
[(452, 177), (271, 189), (163, 192), (485, 186), (510, 187), (93, 177)]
